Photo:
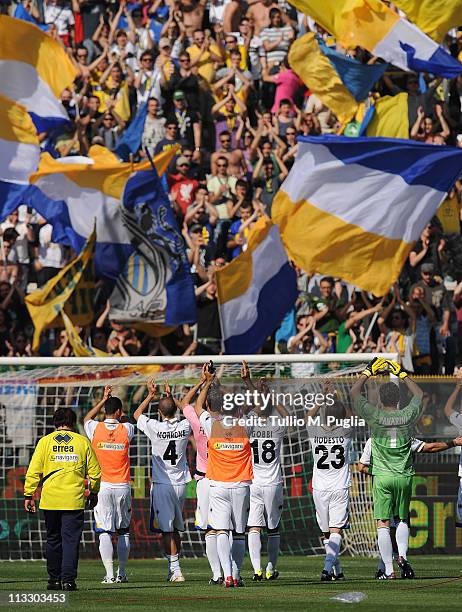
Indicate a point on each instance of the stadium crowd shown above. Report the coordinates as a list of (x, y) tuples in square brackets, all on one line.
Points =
[(217, 82)]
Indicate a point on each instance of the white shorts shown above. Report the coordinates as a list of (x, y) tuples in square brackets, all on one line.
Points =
[(113, 510), (459, 506), (331, 508), (265, 505), (229, 508), (167, 507), (202, 508)]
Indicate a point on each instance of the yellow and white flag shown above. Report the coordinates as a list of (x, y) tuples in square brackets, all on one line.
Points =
[(71, 291)]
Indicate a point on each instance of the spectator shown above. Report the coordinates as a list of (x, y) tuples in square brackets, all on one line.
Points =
[(184, 79), (240, 229), (189, 125), (204, 54), (171, 137), (183, 188), (276, 38), (50, 256), (154, 127), (221, 185), (236, 165), (268, 185), (437, 295)]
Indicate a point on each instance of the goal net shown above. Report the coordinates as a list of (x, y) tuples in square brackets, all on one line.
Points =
[(32, 389)]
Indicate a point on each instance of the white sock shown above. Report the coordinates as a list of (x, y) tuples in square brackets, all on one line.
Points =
[(173, 564), (212, 554), (123, 551), (402, 538), (106, 551), (332, 551), (274, 540), (386, 548), (238, 554), (255, 550), (337, 565), (224, 553)]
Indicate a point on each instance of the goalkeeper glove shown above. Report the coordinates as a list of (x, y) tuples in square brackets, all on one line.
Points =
[(394, 368), (375, 366)]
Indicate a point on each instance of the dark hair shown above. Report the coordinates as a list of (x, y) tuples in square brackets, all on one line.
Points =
[(147, 53), (167, 406), (215, 397), (242, 183), (64, 417), (285, 101), (225, 133), (327, 279), (10, 234), (389, 394), (274, 11), (222, 158), (395, 311), (235, 52), (112, 404)]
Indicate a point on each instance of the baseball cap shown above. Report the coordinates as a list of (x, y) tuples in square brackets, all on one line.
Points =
[(429, 268), (182, 160), (178, 95), (195, 229), (164, 42)]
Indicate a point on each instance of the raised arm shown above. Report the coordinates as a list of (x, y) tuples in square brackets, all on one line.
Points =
[(145, 403), (209, 378), (94, 411)]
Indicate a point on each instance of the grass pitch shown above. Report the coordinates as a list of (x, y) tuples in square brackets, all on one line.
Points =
[(438, 586)]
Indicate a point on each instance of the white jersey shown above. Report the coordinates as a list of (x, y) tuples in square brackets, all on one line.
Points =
[(416, 447), (456, 420), (331, 450), (169, 439), (266, 442)]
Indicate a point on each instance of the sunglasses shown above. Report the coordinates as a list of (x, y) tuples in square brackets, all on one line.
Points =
[(184, 60), (147, 59), (183, 166), (225, 139), (290, 133), (222, 165), (171, 127)]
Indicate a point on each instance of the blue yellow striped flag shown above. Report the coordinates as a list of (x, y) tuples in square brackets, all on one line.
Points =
[(34, 71), (373, 25), (19, 153), (255, 290), (353, 207), (340, 82), (434, 17)]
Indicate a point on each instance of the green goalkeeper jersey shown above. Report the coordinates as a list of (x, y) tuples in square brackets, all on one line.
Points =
[(391, 436)]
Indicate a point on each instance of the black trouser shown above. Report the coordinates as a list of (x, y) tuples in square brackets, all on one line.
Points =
[(64, 530)]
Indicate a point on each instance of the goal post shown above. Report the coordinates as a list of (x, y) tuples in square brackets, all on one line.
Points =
[(31, 389)]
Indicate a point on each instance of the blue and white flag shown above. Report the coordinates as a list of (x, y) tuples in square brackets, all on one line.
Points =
[(255, 290)]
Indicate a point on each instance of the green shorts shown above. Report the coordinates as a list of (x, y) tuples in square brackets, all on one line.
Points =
[(392, 496)]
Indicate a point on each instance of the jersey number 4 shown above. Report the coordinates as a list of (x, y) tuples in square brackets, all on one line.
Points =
[(170, 453), (268, 451), (323, 462)]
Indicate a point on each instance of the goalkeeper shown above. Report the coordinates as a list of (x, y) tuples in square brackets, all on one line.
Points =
[(392, 468)]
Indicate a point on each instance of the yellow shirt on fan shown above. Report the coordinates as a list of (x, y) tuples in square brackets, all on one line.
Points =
[(62, 460)]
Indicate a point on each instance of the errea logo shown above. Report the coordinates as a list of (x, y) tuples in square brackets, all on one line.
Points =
[(62, 438)]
